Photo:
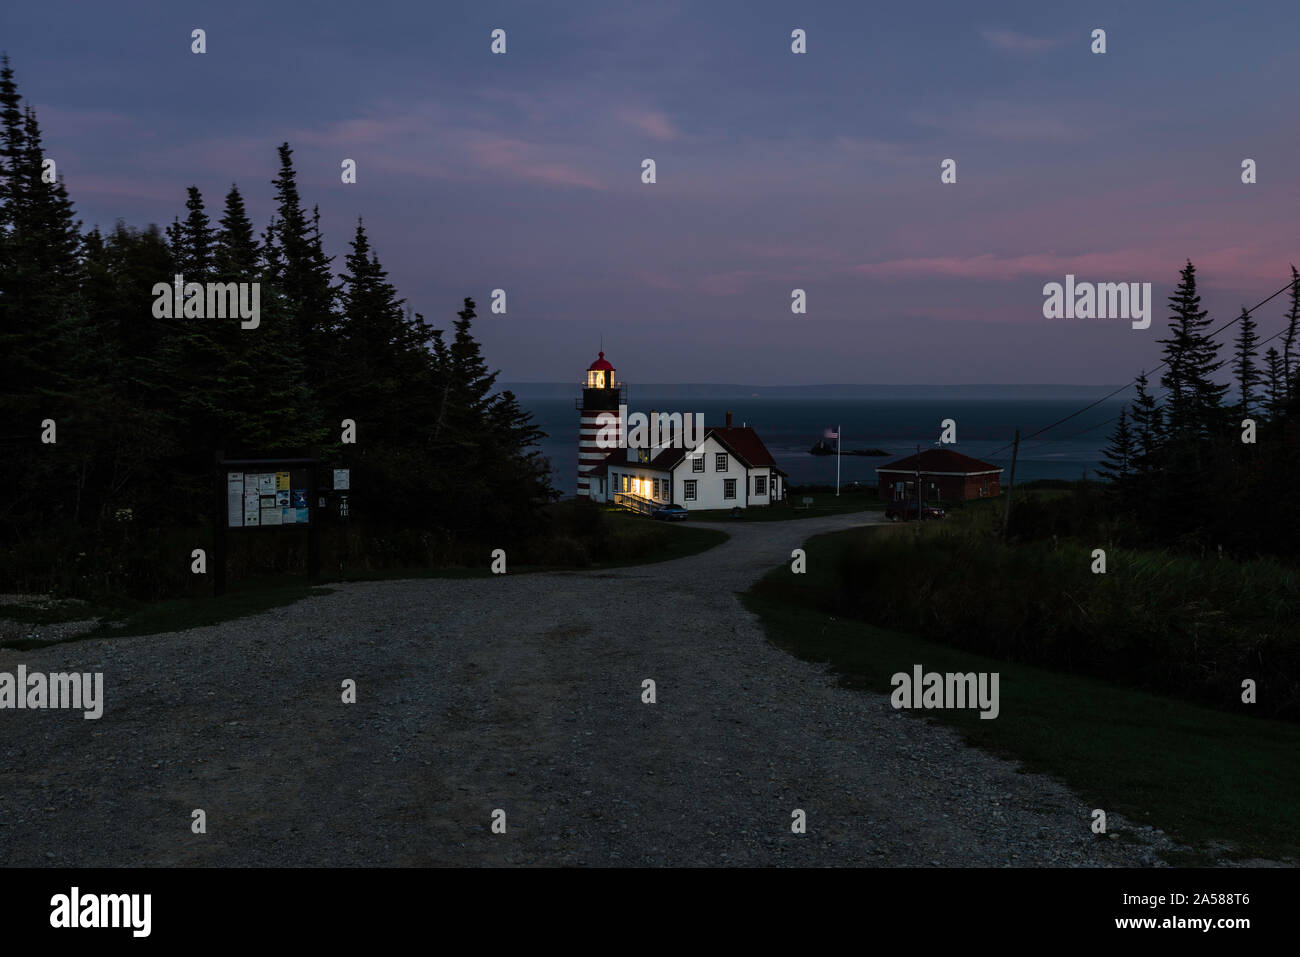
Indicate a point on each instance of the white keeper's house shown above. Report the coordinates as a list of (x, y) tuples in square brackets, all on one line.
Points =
[(730, 467)]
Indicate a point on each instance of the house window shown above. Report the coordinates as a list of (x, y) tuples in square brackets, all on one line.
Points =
[(720, 462), (655, 488), (689, 494), (728, 488), (760, 484), (626, 483), (697, 463)]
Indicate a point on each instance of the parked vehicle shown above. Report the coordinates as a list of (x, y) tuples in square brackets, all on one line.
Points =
[(906, 511), (670, 513)]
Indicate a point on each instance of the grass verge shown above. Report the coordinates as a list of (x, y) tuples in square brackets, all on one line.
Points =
[(1222, 783)]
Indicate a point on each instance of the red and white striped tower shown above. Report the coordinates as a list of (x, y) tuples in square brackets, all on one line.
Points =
[(600, 394)]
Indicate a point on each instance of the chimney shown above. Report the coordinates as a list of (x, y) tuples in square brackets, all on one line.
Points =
[(728, 420)]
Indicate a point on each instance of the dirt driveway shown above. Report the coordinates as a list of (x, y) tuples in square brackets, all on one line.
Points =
[(520, 693)]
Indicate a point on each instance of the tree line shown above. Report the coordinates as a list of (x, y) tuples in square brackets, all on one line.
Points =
[(1208, 463), (139, 403)]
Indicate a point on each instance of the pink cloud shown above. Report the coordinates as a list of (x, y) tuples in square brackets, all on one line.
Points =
[(430, 143), (731, 283), (529, 162), (364, 130), (650, 122)]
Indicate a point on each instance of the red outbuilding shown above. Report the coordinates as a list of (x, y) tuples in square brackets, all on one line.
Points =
[(945, 476)]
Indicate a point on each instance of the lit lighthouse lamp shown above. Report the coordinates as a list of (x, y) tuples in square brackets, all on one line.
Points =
[(601, 395)]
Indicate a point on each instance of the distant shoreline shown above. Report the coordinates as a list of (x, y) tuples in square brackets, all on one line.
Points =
[(701, 390)]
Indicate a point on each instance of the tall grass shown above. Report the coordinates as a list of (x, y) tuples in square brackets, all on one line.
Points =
[(1189, 627)]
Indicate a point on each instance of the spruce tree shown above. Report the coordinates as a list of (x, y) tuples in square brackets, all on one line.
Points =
[(235, 252), (1275, 394), (11, 153), (1246, 371), (1290, 363), (195, 235), (1117, 459), (298, 267), (372, 336), (193, 360), (47, 355), (1195, 399), (1146, 428), (461, 439), (381, 371)]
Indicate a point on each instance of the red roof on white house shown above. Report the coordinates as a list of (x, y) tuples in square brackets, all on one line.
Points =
[(741, 441)]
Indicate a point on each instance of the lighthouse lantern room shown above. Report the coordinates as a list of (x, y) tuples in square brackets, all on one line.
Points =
[(601, 393)]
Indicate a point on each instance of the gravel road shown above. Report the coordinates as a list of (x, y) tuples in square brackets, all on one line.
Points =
[(520, 693)]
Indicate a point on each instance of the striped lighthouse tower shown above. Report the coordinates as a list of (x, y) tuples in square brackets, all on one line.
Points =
[(600, 394)]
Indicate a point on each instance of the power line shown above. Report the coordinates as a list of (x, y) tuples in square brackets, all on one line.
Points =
[(1163, 362)]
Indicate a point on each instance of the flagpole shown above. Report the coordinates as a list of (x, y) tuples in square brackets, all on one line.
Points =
[(838, 440)]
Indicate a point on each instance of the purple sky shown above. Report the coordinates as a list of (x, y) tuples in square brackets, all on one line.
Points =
[(775, 171)]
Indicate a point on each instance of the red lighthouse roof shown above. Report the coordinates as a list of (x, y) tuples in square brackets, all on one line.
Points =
[(600, 365)]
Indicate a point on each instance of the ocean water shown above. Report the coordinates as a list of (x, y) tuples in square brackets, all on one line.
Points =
[(790, 426)]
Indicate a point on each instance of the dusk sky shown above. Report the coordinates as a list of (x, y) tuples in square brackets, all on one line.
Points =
[(819, 171)]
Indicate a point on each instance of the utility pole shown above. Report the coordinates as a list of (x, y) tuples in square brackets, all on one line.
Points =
[(918, 486), (1006, 515)]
